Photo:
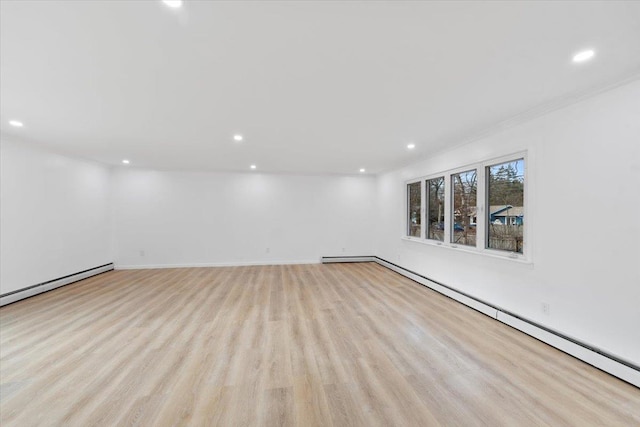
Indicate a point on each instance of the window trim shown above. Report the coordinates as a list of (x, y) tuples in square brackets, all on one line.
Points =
[(481, 204)]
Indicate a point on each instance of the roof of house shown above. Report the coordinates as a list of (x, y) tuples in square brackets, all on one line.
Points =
[(506, 210), (501, 210)]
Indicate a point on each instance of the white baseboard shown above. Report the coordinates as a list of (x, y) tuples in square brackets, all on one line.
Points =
[(331, 259), (215, 264), (52, 284), (616, 366)]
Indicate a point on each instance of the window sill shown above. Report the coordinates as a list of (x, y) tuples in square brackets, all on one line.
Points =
[(469, 249)]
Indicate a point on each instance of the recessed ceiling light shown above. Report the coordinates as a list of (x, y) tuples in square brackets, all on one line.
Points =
[(362, 170), (126, 162), (174, 4), (238, 138), (583, 56), (253, 166), (411, 146), (16, 123)]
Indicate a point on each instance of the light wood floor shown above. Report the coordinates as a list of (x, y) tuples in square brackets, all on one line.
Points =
[(326, 345)]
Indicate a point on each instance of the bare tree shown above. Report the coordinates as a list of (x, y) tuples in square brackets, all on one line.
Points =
[(436, 207), (465, 196)]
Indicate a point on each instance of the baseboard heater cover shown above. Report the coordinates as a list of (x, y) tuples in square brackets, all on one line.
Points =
[(623, 369), (330, 259), (39, 288)]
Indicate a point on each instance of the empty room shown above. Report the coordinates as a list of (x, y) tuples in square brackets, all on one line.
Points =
[(319, 213)]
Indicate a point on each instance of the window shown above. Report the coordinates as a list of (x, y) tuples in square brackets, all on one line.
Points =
[(505, 196), (414, 198), (475, 208), (435, 203), (464, 196)]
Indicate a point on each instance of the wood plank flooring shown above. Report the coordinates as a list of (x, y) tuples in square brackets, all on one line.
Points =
[(305, 345)]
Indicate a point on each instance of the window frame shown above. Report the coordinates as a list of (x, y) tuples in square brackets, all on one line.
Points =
[(525, 255), (427, 207), (482, 204), (451, 211), (407, 207)]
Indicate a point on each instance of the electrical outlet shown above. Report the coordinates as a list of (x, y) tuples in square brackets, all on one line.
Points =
[(141, 253), (268, 250), (344, 250), (546, 309)]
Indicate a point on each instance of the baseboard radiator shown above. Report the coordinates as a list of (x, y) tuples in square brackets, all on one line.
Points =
[(39, 288), (618, 367)]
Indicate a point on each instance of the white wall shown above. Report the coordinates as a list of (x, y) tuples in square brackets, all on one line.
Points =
[(53, 215), (584, 183), (188, 218)]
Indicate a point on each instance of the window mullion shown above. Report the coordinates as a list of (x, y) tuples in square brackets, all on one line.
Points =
[(424, 205), (447, 207), (481, 209)]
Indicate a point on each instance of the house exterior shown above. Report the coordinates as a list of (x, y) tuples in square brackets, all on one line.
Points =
[(507, 215), (500, 214)]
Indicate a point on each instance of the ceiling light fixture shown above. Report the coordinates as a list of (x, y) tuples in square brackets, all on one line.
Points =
[(583, 56), (126, 162), (16, 123), (411, 146), (253, 166), (362, 170), (238, 138), (173, 4)]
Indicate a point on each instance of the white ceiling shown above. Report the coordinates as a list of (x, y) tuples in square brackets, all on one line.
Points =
[(315, 87)]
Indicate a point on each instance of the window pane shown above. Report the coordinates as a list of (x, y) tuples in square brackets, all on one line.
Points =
[(463, 221), (435, 187), (415, 204), (505, 188)]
